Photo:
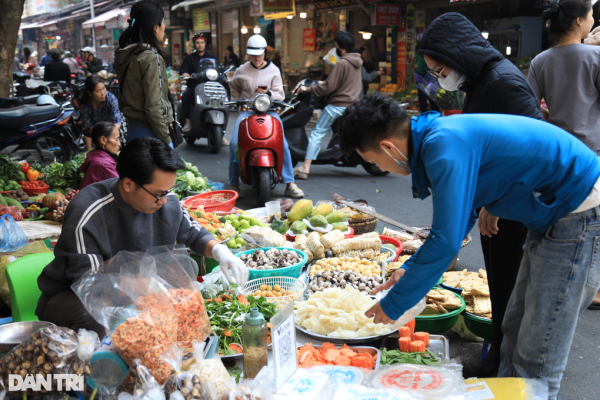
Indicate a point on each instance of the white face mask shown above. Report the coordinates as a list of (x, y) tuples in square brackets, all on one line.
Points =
[(452, 81), (403, 165)]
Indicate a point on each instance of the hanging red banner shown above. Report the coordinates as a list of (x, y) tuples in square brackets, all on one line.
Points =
[(309, 40)]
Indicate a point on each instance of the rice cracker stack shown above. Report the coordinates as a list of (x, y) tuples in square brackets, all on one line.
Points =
[(476, 291)]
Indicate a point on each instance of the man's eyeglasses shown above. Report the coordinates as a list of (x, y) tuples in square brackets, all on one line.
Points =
[(437, 74), (157, 198)]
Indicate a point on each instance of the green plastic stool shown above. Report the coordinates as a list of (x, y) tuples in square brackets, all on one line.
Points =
[(21, 276)]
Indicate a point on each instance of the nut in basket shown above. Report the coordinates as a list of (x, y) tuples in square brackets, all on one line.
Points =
[(276, 289)]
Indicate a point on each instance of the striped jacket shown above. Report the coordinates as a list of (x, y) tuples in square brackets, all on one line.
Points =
[(98, 224)]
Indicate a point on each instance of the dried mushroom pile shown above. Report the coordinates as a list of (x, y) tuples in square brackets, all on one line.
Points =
[(440, 301), (476, 291), (271, 259), (341, 279)]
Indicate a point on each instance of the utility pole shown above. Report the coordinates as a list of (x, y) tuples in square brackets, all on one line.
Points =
[(93, 27)]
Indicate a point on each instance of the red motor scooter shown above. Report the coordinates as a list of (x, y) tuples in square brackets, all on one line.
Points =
[(260, 145)]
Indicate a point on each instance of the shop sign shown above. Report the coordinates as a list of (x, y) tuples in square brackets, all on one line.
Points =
[(256, 8), (387, 14), (278, 5), (201, 20), (322, 5), (69, 25), (280, 15), (309, 40)]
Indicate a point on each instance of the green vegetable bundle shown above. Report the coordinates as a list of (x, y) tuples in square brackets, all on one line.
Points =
[(58, 175), (10, 170), (393, 357), (190, 180)]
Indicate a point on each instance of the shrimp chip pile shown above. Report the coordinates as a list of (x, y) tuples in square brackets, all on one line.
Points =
[(338, 313), (147, 335)]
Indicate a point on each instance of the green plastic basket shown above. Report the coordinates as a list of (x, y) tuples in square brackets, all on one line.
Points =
[(481, 327), (293, 271), (437, 324)]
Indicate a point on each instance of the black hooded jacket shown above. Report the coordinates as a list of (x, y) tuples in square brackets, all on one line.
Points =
[(494, 85)]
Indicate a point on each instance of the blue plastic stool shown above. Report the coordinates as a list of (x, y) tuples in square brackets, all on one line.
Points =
[(484, 350)]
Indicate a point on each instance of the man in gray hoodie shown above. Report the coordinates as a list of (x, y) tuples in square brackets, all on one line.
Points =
[(134, 212), (342, 88)]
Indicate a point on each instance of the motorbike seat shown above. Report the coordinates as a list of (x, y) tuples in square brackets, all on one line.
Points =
[(18, 101), (23, 115)]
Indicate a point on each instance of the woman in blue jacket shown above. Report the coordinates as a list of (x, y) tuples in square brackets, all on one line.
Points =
[(519, 169)]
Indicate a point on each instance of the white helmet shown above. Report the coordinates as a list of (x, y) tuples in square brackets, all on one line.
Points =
[(46, 100), (256, 46), (89, 50)]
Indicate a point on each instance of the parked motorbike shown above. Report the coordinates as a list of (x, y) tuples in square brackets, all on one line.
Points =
[(294, 123), (33, 129), (209, 115), (260, 145)]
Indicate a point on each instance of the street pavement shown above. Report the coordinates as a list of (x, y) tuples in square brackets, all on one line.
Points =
[(392, 196)]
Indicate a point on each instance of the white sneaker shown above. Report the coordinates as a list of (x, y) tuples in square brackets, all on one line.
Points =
[(225, 142), (293, 191), (187, 127)]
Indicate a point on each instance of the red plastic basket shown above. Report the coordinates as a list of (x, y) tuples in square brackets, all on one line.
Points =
[(388, 240), (32, 191), (219, 200)]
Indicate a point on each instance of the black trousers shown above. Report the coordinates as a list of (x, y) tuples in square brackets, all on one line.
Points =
[(423, 99), (187, 99), (65, 309), (502, 254)]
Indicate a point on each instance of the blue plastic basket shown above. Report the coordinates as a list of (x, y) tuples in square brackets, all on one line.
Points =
[(293, 271)]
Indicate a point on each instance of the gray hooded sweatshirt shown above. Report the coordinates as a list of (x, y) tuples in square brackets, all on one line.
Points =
[(98, 224), (344, 85)]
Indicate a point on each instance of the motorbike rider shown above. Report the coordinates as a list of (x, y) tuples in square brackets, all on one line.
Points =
[(231, 58), (57, 70), (92, 64), (259, 71), (342, 88), (189, 66)]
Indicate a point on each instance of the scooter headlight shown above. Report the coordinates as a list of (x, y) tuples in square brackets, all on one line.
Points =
[(262, 102), (212, 74)]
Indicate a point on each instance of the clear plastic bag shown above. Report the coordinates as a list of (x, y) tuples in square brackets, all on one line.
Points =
[(182, 385), (13, 237), (88, 342), (515, 388), (258, 236), (331, 57), (213, 375), (138, 384), (432, 382), (133, 305), (50, 350), (214, 283), (307, 384), (31, 248), (362, 392)]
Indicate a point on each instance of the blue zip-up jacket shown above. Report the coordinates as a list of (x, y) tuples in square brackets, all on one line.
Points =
[(519, 168)]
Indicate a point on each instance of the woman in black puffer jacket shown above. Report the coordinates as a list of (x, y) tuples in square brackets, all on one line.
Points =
[(453, 46)]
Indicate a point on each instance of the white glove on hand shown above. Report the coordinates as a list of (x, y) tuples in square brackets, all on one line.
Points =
[(230, 264)]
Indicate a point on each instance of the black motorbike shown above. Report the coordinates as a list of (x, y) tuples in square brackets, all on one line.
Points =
[(209, 114), (33, 129), (294, 123)]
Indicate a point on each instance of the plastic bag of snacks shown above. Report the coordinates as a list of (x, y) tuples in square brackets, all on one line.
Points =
[(134, 306), (432, 382), (213, 375), (88, 342), (138, 384), (51, 350), (182, 385), (175, 269)]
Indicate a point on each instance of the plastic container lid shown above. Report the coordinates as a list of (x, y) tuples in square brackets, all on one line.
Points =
[(254, 318)]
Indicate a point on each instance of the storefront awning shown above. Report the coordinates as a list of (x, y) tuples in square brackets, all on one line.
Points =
[(189, 3), (29, 26), (102, 19)]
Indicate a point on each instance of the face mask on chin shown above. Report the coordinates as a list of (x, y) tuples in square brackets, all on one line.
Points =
[(453, 81)]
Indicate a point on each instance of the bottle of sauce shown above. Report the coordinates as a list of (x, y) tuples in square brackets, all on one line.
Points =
[(255, 345)]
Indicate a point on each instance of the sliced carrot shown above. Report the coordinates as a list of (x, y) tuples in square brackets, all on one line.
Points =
[(327, 346), (404, 332), (208, 300), (331, 355), (269, 325), (218, 300), (235, 348), (411, 325), (342, 360), (423, 337), (404, 344), (224, 296), (417, 346), (242, 299), (228, 332)]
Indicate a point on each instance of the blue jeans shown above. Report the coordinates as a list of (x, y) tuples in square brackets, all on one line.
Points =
[(187, 99), (135, 131), (328, 116), (558, 278), (287, 173)]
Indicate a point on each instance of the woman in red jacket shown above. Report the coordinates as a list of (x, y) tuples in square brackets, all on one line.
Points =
[(101, 163)]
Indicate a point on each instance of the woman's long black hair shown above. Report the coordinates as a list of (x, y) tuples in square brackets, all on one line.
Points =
[(90, 85), (562, 14), (144, 16), (26, 54)]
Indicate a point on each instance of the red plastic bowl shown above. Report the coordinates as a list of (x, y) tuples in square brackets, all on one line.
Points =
[(219, 200)]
